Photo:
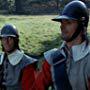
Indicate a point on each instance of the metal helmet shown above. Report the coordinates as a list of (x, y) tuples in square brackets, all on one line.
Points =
[(75, 10), (9, 30)]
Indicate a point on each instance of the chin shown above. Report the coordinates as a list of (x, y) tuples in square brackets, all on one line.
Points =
[(64, 38)]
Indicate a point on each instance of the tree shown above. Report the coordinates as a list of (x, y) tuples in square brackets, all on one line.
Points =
[(18, 7), (57, 1), (4, 4)]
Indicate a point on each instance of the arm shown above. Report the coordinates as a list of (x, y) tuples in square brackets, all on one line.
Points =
[(28, 78), (88, 73), (43, 78), (89, 84)]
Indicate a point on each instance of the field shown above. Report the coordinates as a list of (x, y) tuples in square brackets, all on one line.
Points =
[(37, 33)]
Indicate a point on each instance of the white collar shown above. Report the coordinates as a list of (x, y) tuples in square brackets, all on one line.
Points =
[(79, 51), (14, 58)]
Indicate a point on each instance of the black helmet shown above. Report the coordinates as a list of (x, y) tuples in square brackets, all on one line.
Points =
[(9, 30), (75, 10)]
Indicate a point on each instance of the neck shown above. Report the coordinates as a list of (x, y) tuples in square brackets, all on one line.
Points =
[(76, 41)]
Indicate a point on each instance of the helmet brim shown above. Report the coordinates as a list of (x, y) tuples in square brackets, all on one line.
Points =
[(60, 18), (2, 36)]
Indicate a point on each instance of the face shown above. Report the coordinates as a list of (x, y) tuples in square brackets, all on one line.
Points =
[(68, 28), (7, 43)]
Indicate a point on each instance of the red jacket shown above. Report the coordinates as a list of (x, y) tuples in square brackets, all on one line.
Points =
[(28, 78), (43, 78)]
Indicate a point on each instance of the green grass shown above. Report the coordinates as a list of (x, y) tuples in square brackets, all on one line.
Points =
[(37, 33)]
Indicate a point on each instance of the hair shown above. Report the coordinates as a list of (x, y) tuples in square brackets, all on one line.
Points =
[(84, 32), (85, 36), (16, 43)]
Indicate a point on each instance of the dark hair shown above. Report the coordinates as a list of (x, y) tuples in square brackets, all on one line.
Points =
[(16, 43), (83, 29), (85, 36)]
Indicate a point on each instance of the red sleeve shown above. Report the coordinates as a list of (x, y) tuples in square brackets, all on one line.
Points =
[(28, 78), (43, 79), (89, 84)]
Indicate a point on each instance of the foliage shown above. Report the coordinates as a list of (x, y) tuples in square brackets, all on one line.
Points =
[(37, 33), (31, 6)]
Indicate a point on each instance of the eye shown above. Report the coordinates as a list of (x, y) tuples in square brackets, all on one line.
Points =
[(65, 22), (69, 22), (4, 38)]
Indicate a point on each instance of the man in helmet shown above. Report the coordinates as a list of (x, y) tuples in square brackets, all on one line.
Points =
[(16, 69), (68, 67)]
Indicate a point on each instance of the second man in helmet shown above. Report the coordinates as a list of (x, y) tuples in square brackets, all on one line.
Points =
[(68, 67)]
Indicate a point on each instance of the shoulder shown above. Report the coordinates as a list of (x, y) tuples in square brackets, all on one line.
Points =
[(28, 59), (48, 55), (87, 64)]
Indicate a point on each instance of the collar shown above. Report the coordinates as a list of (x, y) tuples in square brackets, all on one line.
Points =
[(78, 51), (14, 58)]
